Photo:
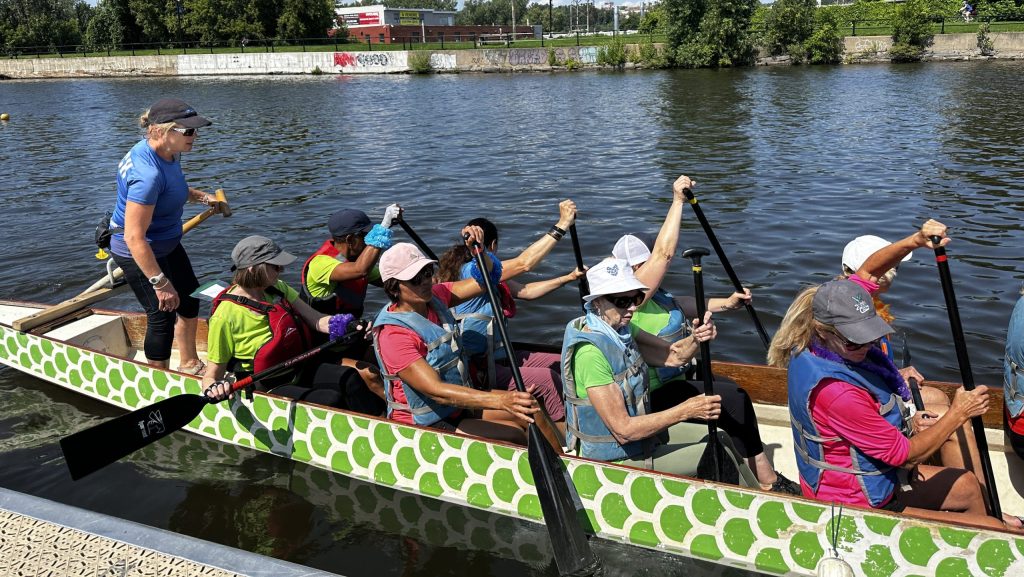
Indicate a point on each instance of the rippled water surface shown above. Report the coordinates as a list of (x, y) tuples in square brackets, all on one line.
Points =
[(791, 163)]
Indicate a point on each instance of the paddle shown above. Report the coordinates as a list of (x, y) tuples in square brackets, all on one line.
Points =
[(558, 499), (915, 390), (92, 449), (416, 239), (714, 464), (725, 263), (583, 283), (103, 288), (966, 375)]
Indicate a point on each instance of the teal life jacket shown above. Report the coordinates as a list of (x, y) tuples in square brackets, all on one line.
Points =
[(585, 431), (444, 354)]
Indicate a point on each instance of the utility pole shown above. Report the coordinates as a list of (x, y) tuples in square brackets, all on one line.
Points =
[(551, 18), (513, 2), (179, 9)]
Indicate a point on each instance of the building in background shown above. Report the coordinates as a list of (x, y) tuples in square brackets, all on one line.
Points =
[(379, 24)]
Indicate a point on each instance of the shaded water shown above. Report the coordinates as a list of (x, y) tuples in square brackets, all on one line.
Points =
[(791, 163)]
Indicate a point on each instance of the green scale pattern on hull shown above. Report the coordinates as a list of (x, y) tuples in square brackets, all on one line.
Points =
[(730, 526)]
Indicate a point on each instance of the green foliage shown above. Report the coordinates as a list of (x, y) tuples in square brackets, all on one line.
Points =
[(104, 30), (305, 18), (419, 62), (901, 52), (912, 26), (492, 13), (787, 23), (654, 21), (825, 46), (651, 56), (1000, 10), (572, 64), (721, 36), (984, 42), (552, 58), (613, 54)]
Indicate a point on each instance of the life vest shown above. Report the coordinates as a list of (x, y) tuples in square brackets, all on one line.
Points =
[(676, 329), (877, 479), (444, 354), (1013, 364), (290, 336), (479, 332), (585, 431), (348, 295)]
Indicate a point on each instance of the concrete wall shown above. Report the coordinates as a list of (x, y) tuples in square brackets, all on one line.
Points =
[(858, 49), (944, 47)]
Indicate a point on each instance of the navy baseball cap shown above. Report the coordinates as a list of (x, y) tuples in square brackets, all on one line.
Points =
[(348, 221)]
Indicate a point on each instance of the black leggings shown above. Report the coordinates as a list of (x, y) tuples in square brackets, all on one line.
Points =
[(737, 418), (331, 385), (160, 324)]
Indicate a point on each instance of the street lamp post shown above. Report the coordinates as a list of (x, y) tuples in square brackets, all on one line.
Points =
[(179, 9)]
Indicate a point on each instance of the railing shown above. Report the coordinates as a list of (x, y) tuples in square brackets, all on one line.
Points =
[(955, 25)]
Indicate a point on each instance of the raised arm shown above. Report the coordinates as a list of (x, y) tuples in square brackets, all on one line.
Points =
[(541, 247), (885, 258), (535, 290), (652, 272)]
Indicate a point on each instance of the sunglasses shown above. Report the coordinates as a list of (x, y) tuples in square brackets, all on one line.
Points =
[(185, 131), (423, 276), (626, 301), (852, 346)]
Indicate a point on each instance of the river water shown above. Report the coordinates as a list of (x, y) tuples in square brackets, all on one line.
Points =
[(791, 163)]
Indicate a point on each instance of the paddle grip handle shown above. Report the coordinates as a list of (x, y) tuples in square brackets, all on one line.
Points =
[(966, 376), (736, 284)]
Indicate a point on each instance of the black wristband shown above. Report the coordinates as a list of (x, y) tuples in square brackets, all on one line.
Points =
[(556, 228), (556, 233)]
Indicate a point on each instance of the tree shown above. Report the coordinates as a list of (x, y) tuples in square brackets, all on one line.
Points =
[(788, 23), (305, 18), (710, 33)]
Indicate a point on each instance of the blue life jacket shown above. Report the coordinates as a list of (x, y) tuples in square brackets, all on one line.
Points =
[(1013, 362), (444, 354), (877, 479), (676, 329), (585, 430), (479, 334)]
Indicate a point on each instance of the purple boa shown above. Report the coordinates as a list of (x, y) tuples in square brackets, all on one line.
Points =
[(876, 362)]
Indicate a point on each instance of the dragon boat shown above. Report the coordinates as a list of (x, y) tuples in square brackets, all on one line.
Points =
[(98, 353)]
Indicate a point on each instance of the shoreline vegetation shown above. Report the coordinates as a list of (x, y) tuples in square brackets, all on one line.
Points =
[(671, 34)]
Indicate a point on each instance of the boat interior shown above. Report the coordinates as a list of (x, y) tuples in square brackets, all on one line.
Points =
[(121, 334)]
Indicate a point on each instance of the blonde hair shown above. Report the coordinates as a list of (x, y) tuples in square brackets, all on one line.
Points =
[(153, 129), (256, 277), (794, 335)]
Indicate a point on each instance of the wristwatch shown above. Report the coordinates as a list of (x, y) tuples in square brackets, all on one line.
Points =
[(155, 280)]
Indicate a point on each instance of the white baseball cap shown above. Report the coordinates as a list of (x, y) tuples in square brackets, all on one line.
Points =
[(611, 276), (631, 249), (859, 249)]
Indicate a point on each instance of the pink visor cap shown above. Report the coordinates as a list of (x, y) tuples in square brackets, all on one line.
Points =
[(402, 261)]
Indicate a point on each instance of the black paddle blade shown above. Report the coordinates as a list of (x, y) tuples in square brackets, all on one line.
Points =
[(561, 507), (96, 447), (715, 465)]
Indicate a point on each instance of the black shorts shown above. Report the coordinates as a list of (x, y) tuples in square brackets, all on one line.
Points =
[(451, 423), (895, 505)]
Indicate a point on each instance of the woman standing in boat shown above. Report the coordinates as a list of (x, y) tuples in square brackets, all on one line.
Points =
[(850, 430), (146, 227), (605, 374), (476, 318), (260, 321), (665, 316), (429, 381)]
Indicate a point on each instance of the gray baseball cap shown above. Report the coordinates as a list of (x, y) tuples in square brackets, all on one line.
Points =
[(176, 110), (849, 308), (254, 250)]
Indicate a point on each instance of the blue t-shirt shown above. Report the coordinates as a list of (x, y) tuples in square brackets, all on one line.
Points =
[(145, 178)]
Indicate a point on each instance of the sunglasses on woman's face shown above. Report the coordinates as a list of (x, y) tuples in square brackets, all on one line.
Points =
[(626, 301), (185, 131), (423, 276), (852, 346)]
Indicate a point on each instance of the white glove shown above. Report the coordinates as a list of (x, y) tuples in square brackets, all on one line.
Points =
[(391, 213)]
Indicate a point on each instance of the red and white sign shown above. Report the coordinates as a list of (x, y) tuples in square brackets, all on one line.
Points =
[(369, 18)]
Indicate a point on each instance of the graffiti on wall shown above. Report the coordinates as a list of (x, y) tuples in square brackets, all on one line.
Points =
[(366, 60)]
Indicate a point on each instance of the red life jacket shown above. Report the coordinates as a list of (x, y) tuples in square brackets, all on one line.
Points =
[(290, 336), (348, 295)]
